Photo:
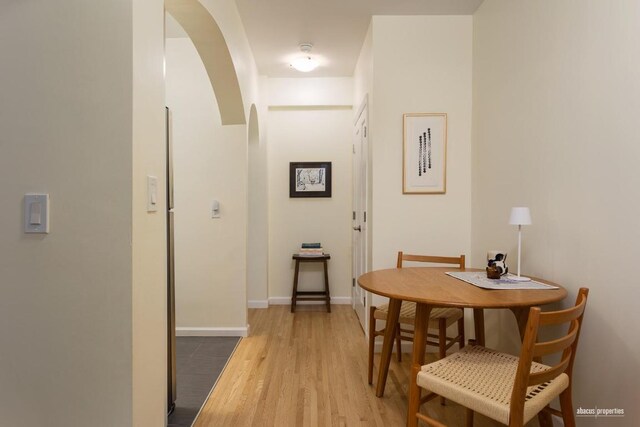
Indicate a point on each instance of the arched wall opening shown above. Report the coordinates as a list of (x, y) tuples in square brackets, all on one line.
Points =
[(210, 165), (257, 227), (209, 41)]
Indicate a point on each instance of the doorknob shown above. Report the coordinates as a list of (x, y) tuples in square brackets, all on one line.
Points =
[(358, 228)]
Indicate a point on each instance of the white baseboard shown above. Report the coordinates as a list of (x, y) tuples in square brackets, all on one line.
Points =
[(287, 301), (258, 303), (212, 332)]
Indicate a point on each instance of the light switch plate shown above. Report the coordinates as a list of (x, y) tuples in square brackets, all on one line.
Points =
[(36, 213), (152, 193), (215, 209)]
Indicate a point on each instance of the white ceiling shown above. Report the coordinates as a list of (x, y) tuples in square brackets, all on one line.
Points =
[(336, 28)]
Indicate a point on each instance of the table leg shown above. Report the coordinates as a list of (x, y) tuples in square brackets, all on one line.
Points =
[(419, 343), (522, 316), (478, 323), (387, 344)]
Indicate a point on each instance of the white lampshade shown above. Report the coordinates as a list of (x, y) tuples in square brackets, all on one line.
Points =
[(520, 216), (304, 64)]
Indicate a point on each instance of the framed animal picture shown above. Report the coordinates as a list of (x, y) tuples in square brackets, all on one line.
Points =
[(310, 179)]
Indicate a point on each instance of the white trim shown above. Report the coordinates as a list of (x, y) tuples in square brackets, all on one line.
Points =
[(363, 112), (287, 301), (262, 303), (361, 108), (309, 107), (212, 332)]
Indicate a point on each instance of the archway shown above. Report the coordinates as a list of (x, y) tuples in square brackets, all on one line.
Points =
[(206, 36), (210, 167), (257, 227)]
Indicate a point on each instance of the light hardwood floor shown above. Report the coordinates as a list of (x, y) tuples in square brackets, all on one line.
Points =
[(310, 369)]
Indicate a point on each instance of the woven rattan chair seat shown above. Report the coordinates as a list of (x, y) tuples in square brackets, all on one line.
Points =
[(482, 379), (408, 314)]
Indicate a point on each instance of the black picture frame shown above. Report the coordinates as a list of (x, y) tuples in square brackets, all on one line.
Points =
[(309, 179)]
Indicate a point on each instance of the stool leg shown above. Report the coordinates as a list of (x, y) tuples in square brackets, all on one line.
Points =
[(295, 287), (326, 286)]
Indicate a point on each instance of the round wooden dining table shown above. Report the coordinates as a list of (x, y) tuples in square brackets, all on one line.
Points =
[(431, 287)]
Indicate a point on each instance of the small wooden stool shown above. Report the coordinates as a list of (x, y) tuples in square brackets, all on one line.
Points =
[(311, 295)]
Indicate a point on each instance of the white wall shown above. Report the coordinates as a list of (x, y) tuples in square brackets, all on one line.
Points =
[(309, 134), (420, 64), (363, 73), (211, 255), (258, 222), (210, 162), (148, 243), (412, 64), (556, 106), (70, 316), (363, 93), (310, 91), (258, 195)]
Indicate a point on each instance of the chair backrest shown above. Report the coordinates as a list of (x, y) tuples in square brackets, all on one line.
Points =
[(532, 350), (459, 261)]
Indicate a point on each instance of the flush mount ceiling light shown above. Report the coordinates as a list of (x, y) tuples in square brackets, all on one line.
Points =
[(305, 63)]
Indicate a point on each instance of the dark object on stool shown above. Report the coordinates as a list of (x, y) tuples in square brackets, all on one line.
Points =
[(311, 295)]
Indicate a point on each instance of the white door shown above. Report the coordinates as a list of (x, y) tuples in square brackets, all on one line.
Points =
[(359, 216)]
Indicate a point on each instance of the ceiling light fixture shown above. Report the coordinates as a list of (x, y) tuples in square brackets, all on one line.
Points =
[(305, 63)]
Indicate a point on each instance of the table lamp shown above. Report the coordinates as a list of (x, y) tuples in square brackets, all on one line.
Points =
[(520, 216)]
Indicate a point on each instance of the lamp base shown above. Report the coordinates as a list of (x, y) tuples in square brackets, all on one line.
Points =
[(515, 278)]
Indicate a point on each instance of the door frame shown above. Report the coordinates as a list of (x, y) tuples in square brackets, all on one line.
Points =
[(363, 109)]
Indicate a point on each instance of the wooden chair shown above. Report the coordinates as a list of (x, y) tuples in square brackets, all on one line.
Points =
[(440, 319), (510, 389)]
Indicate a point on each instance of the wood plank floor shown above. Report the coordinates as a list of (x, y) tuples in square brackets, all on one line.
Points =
[(310, 369)]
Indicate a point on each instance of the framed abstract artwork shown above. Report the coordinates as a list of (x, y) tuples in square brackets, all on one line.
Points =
[(424, 164), (310, 179)]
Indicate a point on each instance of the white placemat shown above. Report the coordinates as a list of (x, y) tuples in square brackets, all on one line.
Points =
[(480, 280)]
